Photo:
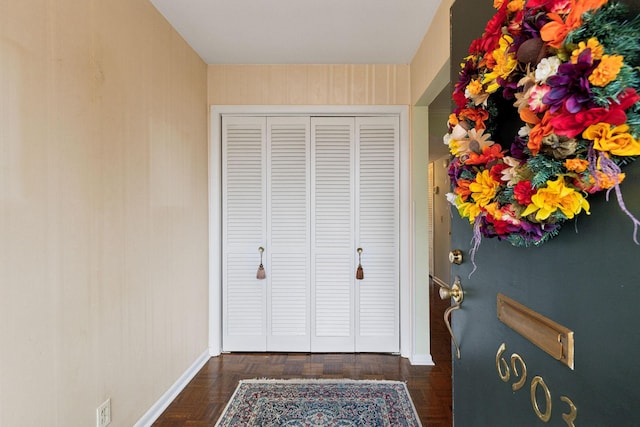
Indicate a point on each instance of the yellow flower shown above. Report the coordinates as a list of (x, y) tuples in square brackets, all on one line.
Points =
[(607, 70), (453, 119), (455, 147), (470, 210), (576, 165), (616, 140), (474, 87), (476, 93), (483, 188), (505, 64), (556, 196), (596, 50), (493, 209), (515, 6), (497, 4)]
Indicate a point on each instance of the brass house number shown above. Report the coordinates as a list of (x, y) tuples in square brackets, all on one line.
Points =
[(515, 370)]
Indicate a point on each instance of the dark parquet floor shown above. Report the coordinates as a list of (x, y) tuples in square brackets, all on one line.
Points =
[(203, 400)]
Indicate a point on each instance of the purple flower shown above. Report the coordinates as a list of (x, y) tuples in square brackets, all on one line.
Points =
[(454, 170), (467, 73), (509, 88), (570, 86), (533, 232), (533, 20), (517, 148)]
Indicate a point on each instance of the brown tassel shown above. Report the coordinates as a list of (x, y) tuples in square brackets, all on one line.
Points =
[(359, 270), (261, 273)]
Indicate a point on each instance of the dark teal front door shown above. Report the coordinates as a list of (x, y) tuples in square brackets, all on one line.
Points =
[(586, 279)]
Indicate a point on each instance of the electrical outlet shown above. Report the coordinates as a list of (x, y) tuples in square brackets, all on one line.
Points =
[(103, 414)]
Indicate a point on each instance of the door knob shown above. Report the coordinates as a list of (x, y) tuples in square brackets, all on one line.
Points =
[(456, 293), (455, 257)]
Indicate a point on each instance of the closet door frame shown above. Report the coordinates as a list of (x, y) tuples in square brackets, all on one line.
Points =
[(409, 329)]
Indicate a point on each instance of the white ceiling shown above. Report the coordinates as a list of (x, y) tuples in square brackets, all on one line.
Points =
[(301, 31)]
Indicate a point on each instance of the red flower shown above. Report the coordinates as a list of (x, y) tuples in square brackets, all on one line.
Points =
[(535, 4), (460, 99), (515, 26), (582, 183), (522, 192), (492, 32), (502, 228), (571, 125), (496, 171)]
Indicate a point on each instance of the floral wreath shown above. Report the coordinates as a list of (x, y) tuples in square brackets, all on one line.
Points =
[(567, 73)]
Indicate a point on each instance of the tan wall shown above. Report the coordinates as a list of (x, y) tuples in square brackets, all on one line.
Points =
[(430, 65), (429, 72), (103, 210), (309, 85)]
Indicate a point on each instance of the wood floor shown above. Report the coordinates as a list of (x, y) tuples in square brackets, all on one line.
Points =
[(203, 400)]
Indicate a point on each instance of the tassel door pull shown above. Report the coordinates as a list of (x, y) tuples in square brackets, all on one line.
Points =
[(261, 273), (359, 270)]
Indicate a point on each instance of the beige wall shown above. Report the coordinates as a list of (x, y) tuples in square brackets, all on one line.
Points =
[(309, 85), (430, 65), (103, 210), (429, 71)]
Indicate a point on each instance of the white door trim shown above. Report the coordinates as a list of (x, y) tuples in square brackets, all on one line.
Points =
[(408, 328)]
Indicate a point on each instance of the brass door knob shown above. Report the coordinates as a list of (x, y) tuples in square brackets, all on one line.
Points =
[(455, 257), (455, 292)]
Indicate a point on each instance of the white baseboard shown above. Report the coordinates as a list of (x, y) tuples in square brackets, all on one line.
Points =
[(421, 359), (165, 400)]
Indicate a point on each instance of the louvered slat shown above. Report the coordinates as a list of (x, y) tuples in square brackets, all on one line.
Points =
[(289, 295), (244, 208), (289, 204), (243, 302), (333, 185)]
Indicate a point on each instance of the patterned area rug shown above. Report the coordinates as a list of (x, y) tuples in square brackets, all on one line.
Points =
[(327, 403)]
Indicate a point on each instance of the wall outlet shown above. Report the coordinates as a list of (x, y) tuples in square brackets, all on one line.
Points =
[(103, 414)]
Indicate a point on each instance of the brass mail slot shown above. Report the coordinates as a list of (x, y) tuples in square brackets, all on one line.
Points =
[(550, 336)]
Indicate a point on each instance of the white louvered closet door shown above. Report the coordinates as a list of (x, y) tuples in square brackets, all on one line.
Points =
[(244, 230), (332, 231), (377, 231), (310, 191), (288, 234)]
